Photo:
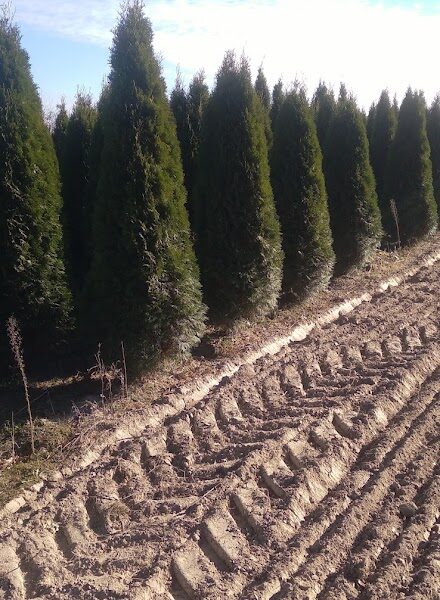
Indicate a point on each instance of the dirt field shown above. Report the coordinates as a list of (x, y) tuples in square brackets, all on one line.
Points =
[(312, 474)]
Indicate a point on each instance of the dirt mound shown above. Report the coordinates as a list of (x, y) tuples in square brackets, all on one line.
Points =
[(310, 474)]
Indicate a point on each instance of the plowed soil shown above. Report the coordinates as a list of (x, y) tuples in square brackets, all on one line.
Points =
[(312, 474)]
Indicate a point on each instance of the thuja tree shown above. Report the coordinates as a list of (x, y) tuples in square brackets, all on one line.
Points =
[(143, 282), (262, 89), (179, 107), (237, 229), (433, 128), (76, 192), (301, 199), (198, 96), (370, 121), (32, 277), (382, 134), (323, 106), (59, 130), (409, 174), (277, 100), (353, 206), (263, 93), (188, 109)]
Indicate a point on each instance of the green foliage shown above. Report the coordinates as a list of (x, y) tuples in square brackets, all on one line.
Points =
[(354, 211), (262, 89), (324, 106), (198, 96), (395, 108), (409, 173), (263, 94), (32, 277), (77, 200), (301, 199), (433, 129), (179, 107), (188, 109), (143, 283), (238, 232), (277, 101), (382, 135), (60, 130), (370, 121)]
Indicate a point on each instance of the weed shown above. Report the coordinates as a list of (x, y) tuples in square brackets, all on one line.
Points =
[(17, 351)]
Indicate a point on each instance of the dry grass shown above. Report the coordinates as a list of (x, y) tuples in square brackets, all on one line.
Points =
[(26, 467)]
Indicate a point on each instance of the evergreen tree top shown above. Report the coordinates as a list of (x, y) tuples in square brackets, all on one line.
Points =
[(277, 101), (83, 109), (15, 69), (385, 122), (198, 88), (231, 66), (322, 91), (133, 62), (436, 101), (178, 95), (383, 109), (262, 88), (62, 117), (278, 91), (179, 85), (413, 104), (323, 97), (370, 119), (435, 106), (343, 93), (384, 99)]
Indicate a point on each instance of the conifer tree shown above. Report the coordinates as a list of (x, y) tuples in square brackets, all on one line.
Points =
[(396, 108), (188, 108), (198, 96), (433, 129), (262, 89), (237, 229), (370, 122), (32, 277), (365, 120), (144, 278), (301, 199), (323, 105), (263, 93), (277, 100), (382, 134), (179, 107), (76, 192), (354, 211), (60, 129), (96, 146), (409, 173)]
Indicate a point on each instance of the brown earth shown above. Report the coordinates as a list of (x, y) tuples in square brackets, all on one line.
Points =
[(310, 474)]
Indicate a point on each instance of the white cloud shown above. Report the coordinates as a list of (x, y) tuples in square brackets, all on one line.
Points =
[(369, 46), (87, 20)]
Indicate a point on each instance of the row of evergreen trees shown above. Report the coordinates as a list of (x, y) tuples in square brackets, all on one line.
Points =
[(248, 196)]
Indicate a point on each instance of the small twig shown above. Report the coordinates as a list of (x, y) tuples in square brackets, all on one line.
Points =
[(396, 220), (124, 364), (50, 402), (13, 436)]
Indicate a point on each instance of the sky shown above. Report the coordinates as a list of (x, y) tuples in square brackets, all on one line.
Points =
[(368, 44)]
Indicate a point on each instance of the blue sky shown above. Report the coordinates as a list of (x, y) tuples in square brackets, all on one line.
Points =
[(368, 44)]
